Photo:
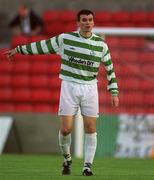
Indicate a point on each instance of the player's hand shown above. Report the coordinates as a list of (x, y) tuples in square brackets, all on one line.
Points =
[(10, 53), (115, 101)]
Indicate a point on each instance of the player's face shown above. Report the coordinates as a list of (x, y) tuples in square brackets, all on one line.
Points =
[(23, 11), (86, 23)]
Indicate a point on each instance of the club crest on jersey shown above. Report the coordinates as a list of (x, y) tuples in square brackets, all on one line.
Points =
[(92, 53)]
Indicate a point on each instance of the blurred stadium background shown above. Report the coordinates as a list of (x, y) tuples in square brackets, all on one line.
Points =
[(29, 85)]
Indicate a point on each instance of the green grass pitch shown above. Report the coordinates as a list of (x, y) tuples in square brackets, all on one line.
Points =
[(48, 167)]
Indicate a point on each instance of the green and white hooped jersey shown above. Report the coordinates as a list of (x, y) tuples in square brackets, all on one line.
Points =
[(81, 57)]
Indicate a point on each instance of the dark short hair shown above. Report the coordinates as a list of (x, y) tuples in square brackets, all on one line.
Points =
[(84, 12)]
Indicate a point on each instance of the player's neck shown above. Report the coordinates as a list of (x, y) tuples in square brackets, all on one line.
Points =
[(86, 34)]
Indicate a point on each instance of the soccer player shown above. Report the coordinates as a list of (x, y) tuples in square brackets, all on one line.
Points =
[(82, 52)]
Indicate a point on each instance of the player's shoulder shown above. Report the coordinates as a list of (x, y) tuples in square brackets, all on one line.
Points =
[(97, 37), (71, 34)]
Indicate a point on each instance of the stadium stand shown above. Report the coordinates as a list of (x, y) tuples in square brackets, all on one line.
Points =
[(102, 17), (121, 17), (31, 83)]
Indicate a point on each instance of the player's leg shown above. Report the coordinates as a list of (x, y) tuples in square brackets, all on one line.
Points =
[(89, 110), (66, 124), (67, 109), (90, 144)]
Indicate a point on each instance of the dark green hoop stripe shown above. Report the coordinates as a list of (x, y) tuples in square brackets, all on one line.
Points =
[(113, 80), (49, 46), (29, 49), (83, 45), (57, 40), (97, 39), (108, 63), (76, 76), (39, 48), (21, 51)]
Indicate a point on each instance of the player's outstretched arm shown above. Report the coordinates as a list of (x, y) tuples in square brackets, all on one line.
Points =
[(49, 46), (10, 53)]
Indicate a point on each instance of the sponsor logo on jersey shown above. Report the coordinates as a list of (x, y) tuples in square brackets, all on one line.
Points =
[(81, 61)]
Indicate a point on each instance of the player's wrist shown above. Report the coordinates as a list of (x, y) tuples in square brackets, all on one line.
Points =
[(17, 49), (114, 92), (114, 95)]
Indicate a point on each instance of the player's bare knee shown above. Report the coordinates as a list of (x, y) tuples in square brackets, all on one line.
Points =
[(90, 130), (65, 131)]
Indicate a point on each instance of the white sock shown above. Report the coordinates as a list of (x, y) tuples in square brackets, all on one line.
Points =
[(90, 147), (65, 143)]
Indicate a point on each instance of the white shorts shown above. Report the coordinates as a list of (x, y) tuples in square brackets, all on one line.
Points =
[(74, 95)]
